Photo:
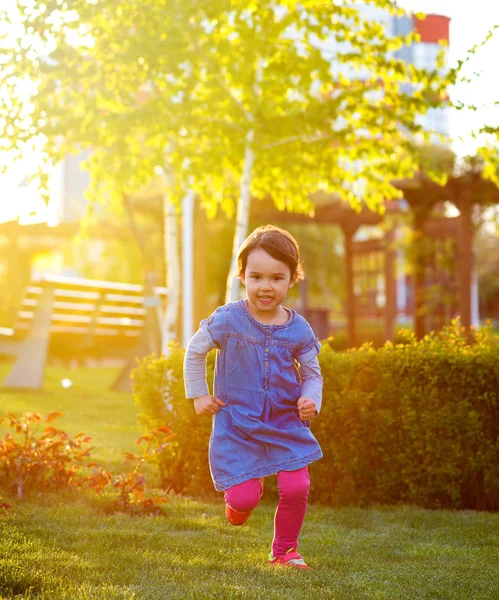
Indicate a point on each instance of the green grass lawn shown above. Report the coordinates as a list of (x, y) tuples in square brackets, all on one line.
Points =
[(53, 548)]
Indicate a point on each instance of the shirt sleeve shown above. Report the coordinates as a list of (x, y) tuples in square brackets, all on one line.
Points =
[(216, 327), (308, 348), (311, 381), (195, 364)]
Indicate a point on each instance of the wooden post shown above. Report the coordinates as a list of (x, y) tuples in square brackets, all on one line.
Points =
[(348, 233), (390, 286), (419, 280), (29, 368)]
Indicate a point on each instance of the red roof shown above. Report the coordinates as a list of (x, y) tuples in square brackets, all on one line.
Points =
[(433, 28)]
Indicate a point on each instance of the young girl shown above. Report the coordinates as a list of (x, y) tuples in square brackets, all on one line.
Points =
[(261, 404)]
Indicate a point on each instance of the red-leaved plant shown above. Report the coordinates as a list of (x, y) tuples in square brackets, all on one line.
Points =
[(131, 486), (54, 461), (48, 462)]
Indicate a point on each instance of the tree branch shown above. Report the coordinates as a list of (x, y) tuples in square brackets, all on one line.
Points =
[(299, 138), (238, 103)]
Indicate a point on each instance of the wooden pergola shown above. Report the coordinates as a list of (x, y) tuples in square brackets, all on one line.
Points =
[(464, 192), (422, 196), (332, 211)]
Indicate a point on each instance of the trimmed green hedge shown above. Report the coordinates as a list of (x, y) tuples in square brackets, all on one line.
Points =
[(158, 387), (413, 423)]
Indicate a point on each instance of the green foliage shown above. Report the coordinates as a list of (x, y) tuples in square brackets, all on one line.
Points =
[(159, 392), (415, 422), (365, 333), (185, 85)]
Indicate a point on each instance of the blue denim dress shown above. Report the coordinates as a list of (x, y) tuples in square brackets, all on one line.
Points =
[(259, 432)]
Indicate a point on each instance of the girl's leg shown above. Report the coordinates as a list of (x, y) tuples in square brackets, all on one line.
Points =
[(241, 499), (293, 495)]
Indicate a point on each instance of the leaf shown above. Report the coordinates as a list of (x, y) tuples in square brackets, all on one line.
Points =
[(51, 430), (53, 416), (164, 429), (139, 494)]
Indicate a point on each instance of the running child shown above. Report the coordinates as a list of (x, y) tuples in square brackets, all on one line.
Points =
[(262, 402)]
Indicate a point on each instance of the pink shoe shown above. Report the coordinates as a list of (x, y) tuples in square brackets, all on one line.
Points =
[(236, 517), (291, 559)]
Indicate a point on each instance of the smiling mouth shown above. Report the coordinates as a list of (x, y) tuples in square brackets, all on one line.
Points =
[(265, 298)]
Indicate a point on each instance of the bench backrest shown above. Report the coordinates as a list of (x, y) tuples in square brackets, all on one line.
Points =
[(89, 311)]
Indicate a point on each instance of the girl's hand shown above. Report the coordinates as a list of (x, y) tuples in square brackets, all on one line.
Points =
[(208, 405), (306, 408)]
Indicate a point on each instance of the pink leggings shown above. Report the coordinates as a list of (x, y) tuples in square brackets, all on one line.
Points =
[(293, 489)]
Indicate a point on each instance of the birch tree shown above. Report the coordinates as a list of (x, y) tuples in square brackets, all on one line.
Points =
[(260, 99), (306, 96)]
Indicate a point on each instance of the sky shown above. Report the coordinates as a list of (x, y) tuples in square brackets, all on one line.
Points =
[(470, 22)]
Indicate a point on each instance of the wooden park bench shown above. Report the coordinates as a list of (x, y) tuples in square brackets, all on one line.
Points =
[(71, 318)]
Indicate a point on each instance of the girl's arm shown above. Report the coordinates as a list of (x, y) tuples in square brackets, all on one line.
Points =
[(211, 334), (196, 386), (195, 365), (311, 386)]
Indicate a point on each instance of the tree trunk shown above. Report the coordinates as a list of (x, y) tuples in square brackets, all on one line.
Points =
[(187, 267), (169, 325), (242, 217)]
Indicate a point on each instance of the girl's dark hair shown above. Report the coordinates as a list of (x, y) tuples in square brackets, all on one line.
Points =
[(277, 242)]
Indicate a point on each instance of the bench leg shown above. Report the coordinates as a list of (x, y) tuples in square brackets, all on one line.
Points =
[(123, 383), (148, 343), (29, 368), (8, 347)]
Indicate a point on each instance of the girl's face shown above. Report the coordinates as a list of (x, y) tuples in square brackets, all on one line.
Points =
[(267, 282)]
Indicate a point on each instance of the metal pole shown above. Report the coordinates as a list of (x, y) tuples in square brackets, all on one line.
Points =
[(466, 259)]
